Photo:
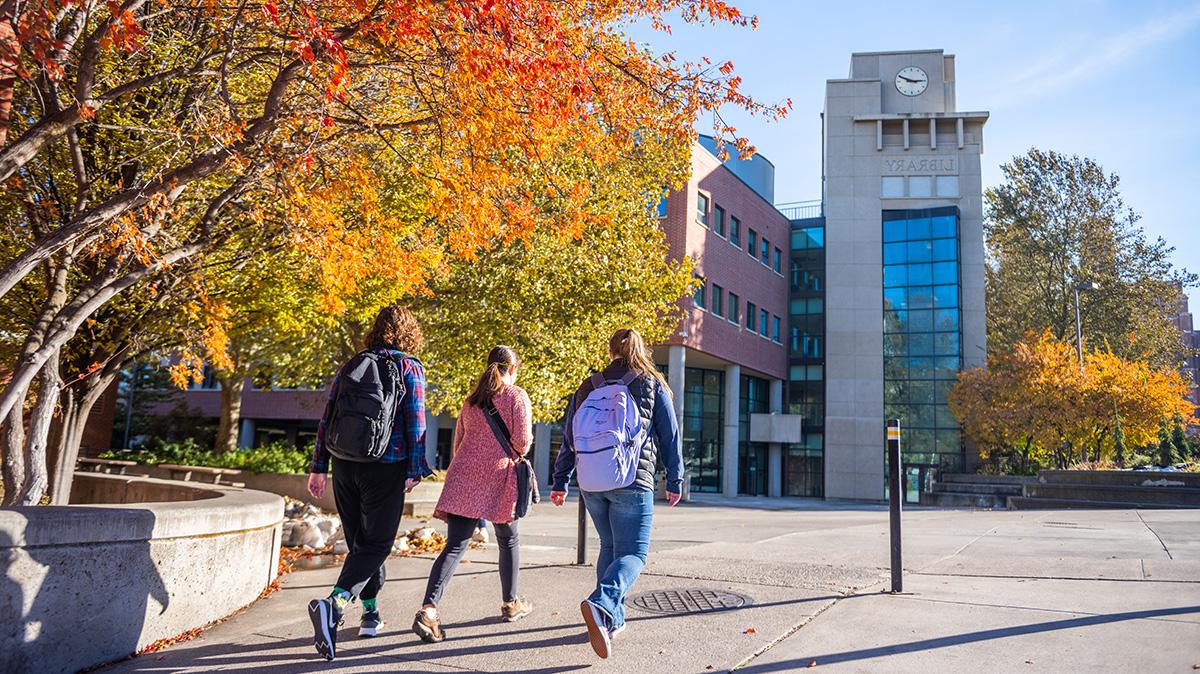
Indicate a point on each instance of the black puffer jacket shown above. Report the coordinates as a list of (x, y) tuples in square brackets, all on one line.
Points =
[(660, 427)]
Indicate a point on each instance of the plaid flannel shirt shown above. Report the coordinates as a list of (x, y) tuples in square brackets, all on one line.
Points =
[(408, 423)]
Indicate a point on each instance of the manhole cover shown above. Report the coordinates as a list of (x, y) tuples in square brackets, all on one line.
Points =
[(688, 601)]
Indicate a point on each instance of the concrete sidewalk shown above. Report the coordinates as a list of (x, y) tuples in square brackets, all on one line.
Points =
[(987, 591)]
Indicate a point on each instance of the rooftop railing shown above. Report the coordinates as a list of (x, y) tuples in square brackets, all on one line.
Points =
[(799, 210)]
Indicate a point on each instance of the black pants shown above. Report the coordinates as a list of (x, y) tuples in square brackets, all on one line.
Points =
[(370, 499), (458, 539)]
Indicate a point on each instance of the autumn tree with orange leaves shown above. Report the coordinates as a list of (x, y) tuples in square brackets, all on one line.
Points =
[(1036, 406), (144, 136)]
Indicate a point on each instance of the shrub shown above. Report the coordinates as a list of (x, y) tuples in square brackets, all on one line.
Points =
[(276, 457)]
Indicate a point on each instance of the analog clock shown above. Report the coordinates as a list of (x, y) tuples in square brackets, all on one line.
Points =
[(911, 81)]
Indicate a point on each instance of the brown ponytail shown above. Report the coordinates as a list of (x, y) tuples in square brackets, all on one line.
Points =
[(627, 343), (501, 361)]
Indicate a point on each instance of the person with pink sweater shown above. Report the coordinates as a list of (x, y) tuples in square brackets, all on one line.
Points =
[(481, 484)]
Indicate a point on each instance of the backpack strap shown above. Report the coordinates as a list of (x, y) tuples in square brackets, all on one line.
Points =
[(597, 380), (630, 376)]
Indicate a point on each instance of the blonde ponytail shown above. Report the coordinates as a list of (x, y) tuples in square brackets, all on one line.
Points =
[(628, 344)]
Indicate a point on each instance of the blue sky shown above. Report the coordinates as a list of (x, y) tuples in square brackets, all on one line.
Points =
[(1116, 81)]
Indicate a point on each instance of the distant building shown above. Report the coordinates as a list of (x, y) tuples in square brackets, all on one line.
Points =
[(1191, 362)]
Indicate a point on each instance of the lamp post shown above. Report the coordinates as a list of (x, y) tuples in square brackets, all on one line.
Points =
[(1078, 326)]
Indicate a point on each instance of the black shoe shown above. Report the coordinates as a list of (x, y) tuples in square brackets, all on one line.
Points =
[(370, 624), (326, 617)]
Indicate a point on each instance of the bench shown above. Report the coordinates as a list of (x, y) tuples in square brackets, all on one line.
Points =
[(214, 473), (110, 466)]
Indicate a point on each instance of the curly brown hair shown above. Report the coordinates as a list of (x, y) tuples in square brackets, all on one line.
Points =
[(396, 327)]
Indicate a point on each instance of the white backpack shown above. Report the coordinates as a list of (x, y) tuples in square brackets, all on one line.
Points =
[(608, 434)]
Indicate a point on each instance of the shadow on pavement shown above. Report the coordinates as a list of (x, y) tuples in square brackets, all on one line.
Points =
[(966, 638)]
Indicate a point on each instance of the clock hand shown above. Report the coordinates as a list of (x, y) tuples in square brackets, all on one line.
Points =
[(910, 80)]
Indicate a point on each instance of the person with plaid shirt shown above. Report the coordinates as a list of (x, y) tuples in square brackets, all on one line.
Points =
[(370, 496)]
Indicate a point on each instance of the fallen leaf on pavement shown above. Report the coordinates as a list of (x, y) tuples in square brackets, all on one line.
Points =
[(812, 663), (750, 630)]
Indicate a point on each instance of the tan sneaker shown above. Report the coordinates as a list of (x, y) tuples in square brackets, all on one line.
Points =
[(427, 626), (512, 611)]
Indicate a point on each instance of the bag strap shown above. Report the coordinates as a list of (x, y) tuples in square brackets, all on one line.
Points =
[(500, 430)]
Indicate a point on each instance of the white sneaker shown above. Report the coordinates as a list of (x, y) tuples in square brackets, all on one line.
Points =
[(480, 536)]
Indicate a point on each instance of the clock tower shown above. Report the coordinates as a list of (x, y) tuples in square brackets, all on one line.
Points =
[(904, 266)]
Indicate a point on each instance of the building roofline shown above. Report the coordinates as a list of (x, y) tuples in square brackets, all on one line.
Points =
[(900, 52), (753, 191), (756, 152)]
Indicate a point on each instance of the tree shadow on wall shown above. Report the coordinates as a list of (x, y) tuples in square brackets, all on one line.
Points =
[(64, 607)]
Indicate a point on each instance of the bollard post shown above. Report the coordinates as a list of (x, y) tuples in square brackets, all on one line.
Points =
[(581, 534), (895, 500)]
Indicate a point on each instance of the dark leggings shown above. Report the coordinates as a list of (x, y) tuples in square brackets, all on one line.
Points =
[(458, 539)]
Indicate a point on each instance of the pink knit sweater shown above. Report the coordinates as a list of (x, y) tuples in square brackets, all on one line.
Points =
[(480, 481)]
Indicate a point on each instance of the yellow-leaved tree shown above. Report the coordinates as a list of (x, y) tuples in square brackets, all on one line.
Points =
[(1036, 405)]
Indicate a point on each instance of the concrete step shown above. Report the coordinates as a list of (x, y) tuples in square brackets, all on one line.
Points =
[(1127, 478), (977, 488), (1174, 496), (956, 500), (1035, 503), (986, 479)]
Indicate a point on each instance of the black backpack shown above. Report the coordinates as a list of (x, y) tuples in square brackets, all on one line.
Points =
[(364, 407)]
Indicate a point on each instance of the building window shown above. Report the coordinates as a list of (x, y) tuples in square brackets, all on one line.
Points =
[(811, 305), (807, 279), (718, 300), (753, 457), (778, 262), (891, 187), (719, 220), (703, 426), (947, 186), (735, 231), (699, 296), (920, 186), (752, 243), (764, 254), (751, 315), (702, 209), (762, 322), (775, 333), (662, 207), (808, 237), (735, 309)]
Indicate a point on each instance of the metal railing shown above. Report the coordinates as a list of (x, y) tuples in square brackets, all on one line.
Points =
[(799, 210)]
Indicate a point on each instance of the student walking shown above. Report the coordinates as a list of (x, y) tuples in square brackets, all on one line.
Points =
[(494, 427), (618, 424), (373, 427)]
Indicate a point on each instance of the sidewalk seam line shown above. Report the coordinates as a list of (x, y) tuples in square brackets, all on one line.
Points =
[(1160, 540), (789, 633), (1074, 578)]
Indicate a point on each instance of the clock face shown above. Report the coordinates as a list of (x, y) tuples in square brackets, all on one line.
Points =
[(911, 81)]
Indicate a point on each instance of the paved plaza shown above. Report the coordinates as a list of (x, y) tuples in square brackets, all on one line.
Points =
[(985, 591)]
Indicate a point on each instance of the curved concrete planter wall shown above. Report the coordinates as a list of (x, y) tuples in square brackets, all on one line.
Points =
[(419, 503), (88, 584)]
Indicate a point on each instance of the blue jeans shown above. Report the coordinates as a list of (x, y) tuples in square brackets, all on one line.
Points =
[(622, 518)]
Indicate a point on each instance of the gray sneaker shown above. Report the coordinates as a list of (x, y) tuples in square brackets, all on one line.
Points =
[(325, 616), (370, 624)]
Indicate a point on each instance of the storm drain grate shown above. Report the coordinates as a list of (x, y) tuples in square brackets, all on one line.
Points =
[(688, 601)]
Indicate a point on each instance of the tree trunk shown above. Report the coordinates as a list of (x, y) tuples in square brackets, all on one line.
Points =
[(77, 408), (37, 480), (232, 388), (13, 447)]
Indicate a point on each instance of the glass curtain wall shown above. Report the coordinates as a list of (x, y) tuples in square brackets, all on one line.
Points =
[(804, 462), (922, 336)]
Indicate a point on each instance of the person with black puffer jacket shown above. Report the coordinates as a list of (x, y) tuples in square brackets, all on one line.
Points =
[(618, 424)]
